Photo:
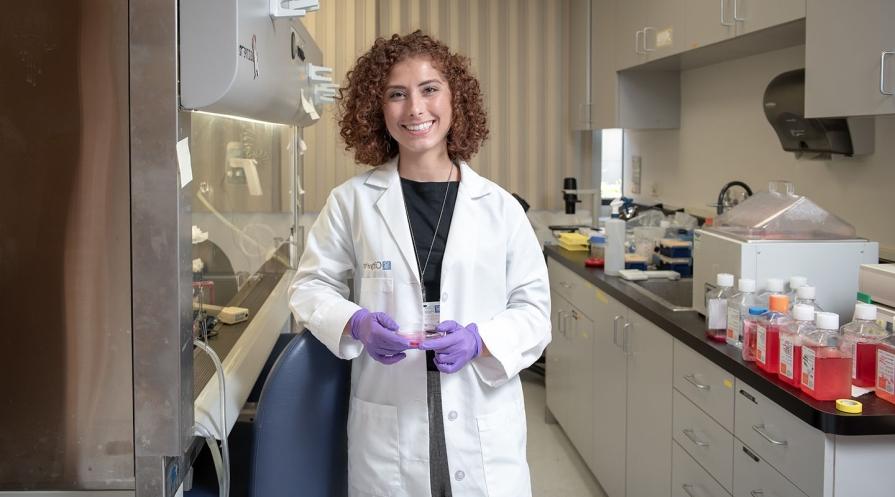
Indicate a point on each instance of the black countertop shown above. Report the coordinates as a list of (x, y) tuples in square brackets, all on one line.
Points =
[(878, 417)]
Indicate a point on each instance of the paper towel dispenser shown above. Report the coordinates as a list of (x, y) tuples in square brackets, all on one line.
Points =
[(812, 138), (251, 59)]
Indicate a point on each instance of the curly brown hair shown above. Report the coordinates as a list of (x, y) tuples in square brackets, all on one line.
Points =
[(360, 101)]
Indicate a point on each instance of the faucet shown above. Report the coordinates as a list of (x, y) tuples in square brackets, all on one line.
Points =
[(725, 202)]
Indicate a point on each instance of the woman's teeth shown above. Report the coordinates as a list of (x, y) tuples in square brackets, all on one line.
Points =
[(419, 127)]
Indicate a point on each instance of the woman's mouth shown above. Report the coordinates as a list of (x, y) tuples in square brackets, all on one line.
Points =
[(418, 129)]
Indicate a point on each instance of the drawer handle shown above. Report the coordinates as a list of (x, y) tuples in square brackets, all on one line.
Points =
[(565, 285), (615, 331), (756, 493), (761, 431), (692, 436), (688, 489), (692, 379)]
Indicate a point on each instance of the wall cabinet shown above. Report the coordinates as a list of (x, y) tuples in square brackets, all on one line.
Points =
[(850, 58), (711, 21), (648, 30)]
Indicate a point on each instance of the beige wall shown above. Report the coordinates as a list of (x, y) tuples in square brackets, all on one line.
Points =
[(517, 49), (724, 135)]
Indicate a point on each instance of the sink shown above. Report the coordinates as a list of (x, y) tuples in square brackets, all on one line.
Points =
[(674, 295)]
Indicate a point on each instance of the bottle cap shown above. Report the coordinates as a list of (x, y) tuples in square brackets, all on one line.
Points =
[(797, 282), (863, 297), (849, 405), (866, 312), (827, 320), (778, 302), (774, 285), (757, 311), (747, 285), (725, 280), (803, 312), (806, 292)]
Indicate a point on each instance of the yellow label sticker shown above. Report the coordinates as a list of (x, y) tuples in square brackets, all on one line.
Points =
[(602, 296), (728, 383)]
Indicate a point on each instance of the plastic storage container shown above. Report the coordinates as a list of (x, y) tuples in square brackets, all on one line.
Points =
[(750, 331), (805, 295), (790, 371), (864, 336), (737, 309), (716, 307), (767, 340), (885, 370), (826, 360)]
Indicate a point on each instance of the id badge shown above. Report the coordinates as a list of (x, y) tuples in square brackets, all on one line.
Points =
[(431, 316)]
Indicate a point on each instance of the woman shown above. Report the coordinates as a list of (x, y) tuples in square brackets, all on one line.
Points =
[(429, 244)]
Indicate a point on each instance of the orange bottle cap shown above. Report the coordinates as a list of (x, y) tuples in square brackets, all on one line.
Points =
[(778, 303)]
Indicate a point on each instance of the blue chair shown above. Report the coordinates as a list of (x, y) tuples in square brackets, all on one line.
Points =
[(299, 435)]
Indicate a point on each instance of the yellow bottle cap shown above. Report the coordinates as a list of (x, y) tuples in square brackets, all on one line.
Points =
[(850, 406)]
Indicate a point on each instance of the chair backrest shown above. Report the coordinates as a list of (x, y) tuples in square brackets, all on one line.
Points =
[(300, 443)]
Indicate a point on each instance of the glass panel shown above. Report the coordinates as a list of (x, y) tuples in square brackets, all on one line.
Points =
[(611, 160), (242, 199)]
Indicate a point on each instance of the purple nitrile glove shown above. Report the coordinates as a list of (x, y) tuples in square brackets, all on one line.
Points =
[(376, 330), (459, 345)]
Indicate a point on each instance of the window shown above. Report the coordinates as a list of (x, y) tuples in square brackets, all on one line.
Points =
[(611, 163)]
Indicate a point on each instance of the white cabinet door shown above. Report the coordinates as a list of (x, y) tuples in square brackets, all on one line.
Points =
[(629, 36), (649, 407), (579, 64), (610, 392), (846, 70), (663, 33), (754, 15), (604, 81), (557, 380), (753, 477), (581, 376), (708, 21)]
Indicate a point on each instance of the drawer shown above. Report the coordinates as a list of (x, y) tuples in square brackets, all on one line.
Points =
[(790, 445), (688, 479), (574, 288), (704, 439), (753, 477), (704, 383)]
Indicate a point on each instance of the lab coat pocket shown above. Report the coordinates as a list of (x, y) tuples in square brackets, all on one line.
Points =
[(376, 294), (503, 438), (373, 457)]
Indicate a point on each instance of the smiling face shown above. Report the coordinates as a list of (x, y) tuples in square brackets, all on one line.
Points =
[(417, 107)]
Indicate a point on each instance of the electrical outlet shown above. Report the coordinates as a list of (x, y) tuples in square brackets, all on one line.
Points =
[(636, 168)]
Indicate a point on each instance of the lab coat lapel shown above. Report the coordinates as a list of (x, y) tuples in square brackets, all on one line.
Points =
[(463, 237), (390, 206)]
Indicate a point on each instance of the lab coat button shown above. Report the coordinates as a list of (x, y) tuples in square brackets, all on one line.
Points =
[(459, 475), (444, 297), (452, 415)]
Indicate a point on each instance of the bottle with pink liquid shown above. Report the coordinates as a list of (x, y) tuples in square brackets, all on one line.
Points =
[(826, 360), (864, 336)]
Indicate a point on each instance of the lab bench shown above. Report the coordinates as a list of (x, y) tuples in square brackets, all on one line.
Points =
[(652, 405)]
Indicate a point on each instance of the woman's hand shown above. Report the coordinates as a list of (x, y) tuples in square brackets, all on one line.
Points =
[(459, 345), (376, 330)]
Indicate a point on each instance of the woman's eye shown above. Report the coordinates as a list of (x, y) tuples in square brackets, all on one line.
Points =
[(395, 95), (429, 90)]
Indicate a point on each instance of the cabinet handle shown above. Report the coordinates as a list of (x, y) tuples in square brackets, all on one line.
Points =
[(565, 285), (736, 11), (761, 431), (692, 436), (625, 339), (756, 493), (615, 331), (688, 489), (637, 42), (724, 21), (645, 31), (692, 379), (882, 73), (561, 321)]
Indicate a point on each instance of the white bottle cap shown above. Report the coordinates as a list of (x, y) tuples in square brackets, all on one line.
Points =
[(725, 280), (864, 311), (775, 285), (797, 282), (827, 320), (806, 292), (747, 285), (803, 312)]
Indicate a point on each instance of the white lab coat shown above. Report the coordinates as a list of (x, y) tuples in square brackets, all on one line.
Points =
[(493, 274)]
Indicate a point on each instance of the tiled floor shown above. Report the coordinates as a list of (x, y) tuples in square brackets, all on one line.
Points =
[(556, 468)]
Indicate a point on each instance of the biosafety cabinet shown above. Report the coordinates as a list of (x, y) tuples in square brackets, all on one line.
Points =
[(155, 157)]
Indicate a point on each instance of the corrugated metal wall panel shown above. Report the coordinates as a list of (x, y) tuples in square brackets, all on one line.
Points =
[(518, 49)]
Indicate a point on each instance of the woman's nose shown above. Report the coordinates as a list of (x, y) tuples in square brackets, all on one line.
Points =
[(416, 106)]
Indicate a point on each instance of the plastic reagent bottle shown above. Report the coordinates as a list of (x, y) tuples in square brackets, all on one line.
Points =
[(826, 360), (716, 307), (773, 286), (737, 308), (795, 282), (864, 336), (885, 370), (750, 330), (767, 340), (806, 295), (615, 241), (790, 370)]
